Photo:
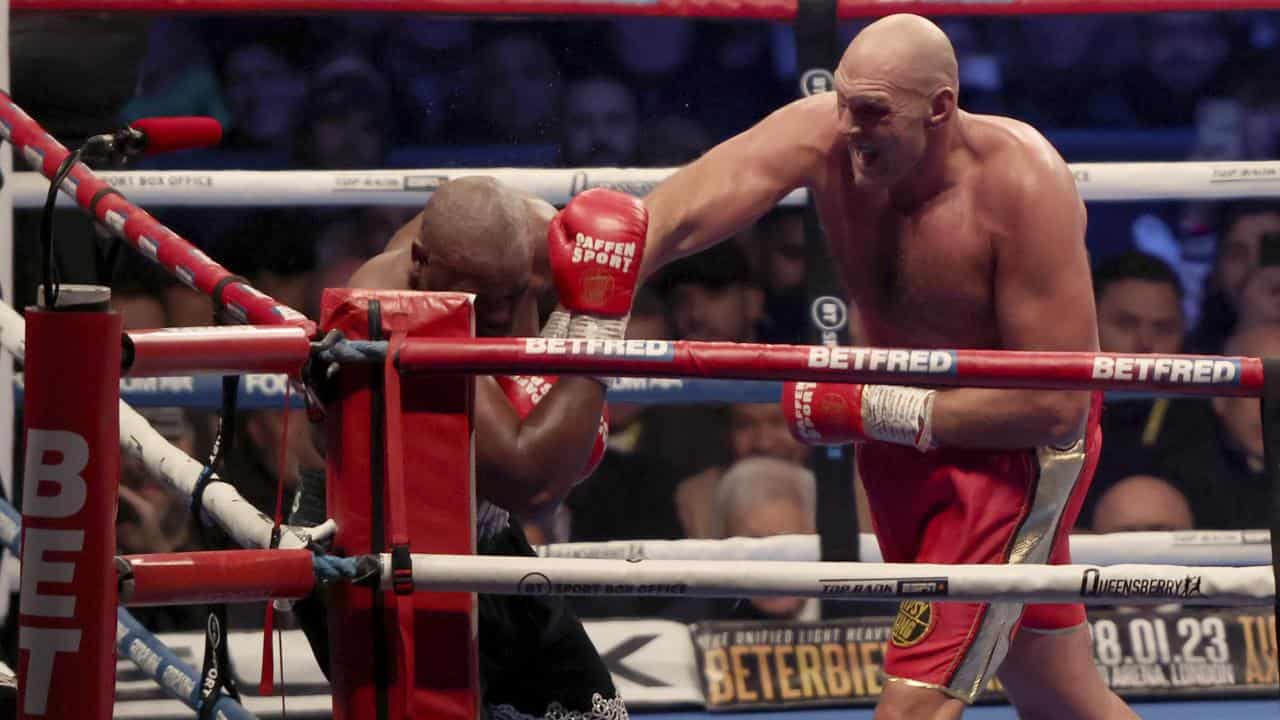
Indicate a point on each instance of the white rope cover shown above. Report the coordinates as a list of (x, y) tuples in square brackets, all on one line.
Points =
[(168, 464), (410, 188), (1229, 548), (1116, 584)]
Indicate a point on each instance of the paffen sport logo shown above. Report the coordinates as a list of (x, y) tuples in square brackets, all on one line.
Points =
[(1192, 371), (833, 406), (589, 250), (916, 362)]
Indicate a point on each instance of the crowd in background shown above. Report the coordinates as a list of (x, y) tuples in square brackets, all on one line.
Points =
[(390, 91)]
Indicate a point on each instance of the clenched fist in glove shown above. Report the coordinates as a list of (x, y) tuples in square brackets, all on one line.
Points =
[(838, 413), (595, 245)]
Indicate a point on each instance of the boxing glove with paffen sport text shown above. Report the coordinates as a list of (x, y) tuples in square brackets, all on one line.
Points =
[(526, 391), (595, 245), (840, 413)]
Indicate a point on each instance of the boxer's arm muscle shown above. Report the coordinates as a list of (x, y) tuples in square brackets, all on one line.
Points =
[(529, 466), (386, 271), (1044, 301), (737, 181), (404, 237)]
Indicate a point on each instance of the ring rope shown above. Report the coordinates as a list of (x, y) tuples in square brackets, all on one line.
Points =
[(1227, 548), (169, 465), (148, 653), (131, 223), (1100, 182), (1089, 584), (734, 9)]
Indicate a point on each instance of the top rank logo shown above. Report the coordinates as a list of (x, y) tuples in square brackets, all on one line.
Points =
[(1200, 371)]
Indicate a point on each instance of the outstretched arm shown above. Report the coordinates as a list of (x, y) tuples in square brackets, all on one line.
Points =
[(738, 180)]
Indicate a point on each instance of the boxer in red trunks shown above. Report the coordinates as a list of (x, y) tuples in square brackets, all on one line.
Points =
[(951, 230)]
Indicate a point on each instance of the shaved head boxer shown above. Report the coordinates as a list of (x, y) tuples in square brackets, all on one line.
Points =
[(951, 230), (536, 437)]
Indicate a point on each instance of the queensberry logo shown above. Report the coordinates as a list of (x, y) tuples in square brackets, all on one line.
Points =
[(930, 362), (648, 349), (1199, 371)]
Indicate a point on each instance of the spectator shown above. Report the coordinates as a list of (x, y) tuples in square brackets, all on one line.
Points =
[(600, 125), (1241, 227), (1142, 503), (763, 497), (713, 296), (981, 71), (674, 140), (264, 89), (1139, 305), (1184, 55), (346, 117), (517, 90), (1139, 311), (781, 241), (755, 430), (1055, 79), (153, 518), (1221, 468), (177, 75), (423, 58)]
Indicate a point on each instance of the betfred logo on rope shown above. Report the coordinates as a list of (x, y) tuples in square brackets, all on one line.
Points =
[(926, 362), (648, 349), (1200, 371)]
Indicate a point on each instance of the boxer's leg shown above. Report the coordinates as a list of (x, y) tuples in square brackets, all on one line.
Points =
[(1051, 676), (965, 507)]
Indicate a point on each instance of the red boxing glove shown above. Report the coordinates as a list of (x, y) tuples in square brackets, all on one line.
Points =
[(526, 391), (839, 413), (595, 245)]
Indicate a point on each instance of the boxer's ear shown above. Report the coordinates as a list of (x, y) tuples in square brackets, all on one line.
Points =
[(942, 105)]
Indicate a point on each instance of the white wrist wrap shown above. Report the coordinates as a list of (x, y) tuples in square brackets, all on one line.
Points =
[(557, 325), (900, 415), (595, 327)]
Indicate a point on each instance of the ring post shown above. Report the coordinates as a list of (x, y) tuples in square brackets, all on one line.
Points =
[(1271, 454), (67, 605), (401, 654)]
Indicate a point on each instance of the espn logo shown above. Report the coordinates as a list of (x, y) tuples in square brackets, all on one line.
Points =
[(923, 586)]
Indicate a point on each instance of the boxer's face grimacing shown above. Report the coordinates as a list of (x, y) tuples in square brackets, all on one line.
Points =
[(884, 129), (896, 85)]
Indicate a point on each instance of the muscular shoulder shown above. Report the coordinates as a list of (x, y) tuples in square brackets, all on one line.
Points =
[(1019, 170), (810, 123), (386, 271)]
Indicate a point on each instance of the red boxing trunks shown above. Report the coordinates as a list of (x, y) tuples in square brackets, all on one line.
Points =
[(955, 506)]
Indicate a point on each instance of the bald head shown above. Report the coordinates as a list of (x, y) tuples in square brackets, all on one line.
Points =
[(905, 51), (475, 220), (478, 236), (1142, 503)]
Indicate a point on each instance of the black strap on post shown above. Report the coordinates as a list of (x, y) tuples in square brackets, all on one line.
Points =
[(378, 517), (216, 676), (1271, 456), (817, 50)]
